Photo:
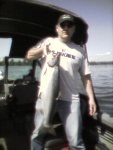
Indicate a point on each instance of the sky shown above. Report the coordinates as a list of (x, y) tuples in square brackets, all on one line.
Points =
[(99, 16)]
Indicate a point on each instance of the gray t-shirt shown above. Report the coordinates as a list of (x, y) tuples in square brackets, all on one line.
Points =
[(73, 60)]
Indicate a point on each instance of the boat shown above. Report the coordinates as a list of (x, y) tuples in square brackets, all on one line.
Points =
[(27, 22)]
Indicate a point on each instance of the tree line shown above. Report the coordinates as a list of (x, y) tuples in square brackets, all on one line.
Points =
[(13, 62)]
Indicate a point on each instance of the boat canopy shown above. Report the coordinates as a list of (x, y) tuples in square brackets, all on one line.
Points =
[(28, 21)]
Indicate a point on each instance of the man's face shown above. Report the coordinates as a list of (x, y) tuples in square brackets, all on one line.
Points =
[(65, 30)]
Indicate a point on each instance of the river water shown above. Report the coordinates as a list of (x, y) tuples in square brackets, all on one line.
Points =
[(102, 78)]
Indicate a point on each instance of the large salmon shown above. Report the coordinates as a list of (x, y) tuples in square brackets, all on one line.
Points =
[(50, 90)]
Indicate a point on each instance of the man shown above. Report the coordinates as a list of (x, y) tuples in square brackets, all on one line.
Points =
[(73, 60)]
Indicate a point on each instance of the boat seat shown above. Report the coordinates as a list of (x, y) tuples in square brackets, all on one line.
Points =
[(22, 97), (25, 94)]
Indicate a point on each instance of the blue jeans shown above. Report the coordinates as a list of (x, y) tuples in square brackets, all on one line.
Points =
[(70, 115)]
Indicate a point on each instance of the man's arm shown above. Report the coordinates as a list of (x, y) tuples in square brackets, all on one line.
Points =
[(89, 89), (34, 53), (41, 49)]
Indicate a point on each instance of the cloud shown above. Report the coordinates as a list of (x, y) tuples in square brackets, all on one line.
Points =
[(104, 54)]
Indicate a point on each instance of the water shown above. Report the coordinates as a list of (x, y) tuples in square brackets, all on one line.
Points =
[(17, 72), (102, 78)]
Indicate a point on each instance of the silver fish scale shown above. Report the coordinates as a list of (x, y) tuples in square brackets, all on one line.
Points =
[(50, 93)]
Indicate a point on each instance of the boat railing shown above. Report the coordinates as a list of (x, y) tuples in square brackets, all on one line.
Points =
[(105, 130)]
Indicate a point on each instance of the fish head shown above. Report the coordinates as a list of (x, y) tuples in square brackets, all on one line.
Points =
[(53, 60)]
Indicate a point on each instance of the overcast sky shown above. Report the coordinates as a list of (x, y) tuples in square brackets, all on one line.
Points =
[(99, 16)]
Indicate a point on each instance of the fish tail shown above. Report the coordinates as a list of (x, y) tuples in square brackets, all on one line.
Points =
[(47, 129)]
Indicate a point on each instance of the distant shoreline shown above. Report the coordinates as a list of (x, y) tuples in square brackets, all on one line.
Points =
[(26, 63), (100, 63)]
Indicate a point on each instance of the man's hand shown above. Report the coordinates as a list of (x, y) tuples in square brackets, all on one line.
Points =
[(46, 49), (92, 107)]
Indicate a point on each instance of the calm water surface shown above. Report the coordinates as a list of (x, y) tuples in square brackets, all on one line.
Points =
[(102, 78)]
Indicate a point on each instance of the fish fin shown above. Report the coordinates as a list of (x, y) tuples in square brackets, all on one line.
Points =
[(47, 129), (41, 110), (58, 95)]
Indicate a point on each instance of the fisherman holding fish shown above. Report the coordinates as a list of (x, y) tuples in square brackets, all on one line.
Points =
[(69, 59)]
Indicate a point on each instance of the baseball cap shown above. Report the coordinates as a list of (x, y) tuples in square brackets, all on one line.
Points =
[(65, 17)]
